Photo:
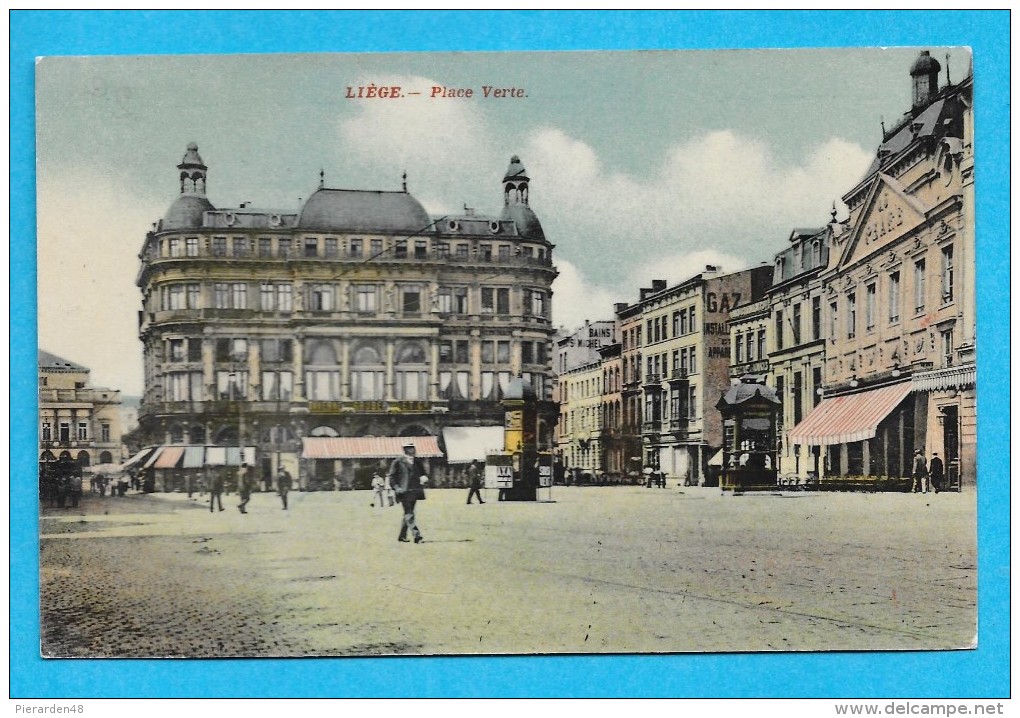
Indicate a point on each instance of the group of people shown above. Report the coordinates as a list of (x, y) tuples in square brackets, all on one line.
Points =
[(245, 484), (927, 475)]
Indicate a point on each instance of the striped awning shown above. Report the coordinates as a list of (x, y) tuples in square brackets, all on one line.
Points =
[(153, 457), (848, 418), (139, 457), (367, 447), (169, 457)]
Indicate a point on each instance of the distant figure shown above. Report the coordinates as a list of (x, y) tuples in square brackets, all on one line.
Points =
[(379, 490), (284, 482), (75, 489), (474, 475), (937, 471), (243, 488), (216, 490), (920, 473), (406, 476)]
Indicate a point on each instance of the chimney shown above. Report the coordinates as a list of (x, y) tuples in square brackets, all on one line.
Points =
[(658, 285)]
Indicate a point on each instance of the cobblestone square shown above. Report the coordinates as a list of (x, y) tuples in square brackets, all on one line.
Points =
[(597, 570)]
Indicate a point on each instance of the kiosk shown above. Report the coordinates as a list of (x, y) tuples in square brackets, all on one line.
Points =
[(749, 410)]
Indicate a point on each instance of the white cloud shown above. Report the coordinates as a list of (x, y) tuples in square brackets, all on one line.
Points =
[(575, 298), (90, 230)]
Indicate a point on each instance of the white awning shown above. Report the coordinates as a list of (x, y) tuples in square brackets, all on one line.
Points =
[(464, 443), (717, 458)]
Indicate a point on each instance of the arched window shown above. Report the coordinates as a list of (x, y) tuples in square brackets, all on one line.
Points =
[(176, 434), (322, 376), (196, 434), (324, 431), (105, 457), (83, 459), (368, 374)]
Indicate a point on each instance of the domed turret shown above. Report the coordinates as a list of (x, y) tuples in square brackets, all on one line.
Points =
[(924, 74), (515, 201), (187, 210)]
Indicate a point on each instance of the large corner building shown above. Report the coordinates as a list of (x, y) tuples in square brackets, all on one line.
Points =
[(358, 316)]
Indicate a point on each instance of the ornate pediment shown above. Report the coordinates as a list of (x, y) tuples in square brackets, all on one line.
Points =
[(888, 213)]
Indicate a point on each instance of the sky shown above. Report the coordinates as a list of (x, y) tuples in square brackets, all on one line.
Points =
[(643, 164)]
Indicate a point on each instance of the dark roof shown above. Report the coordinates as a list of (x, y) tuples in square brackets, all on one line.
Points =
[(747, 390), (52, 361), (527, 223), (346, 210), (927, 124), (187, 212)]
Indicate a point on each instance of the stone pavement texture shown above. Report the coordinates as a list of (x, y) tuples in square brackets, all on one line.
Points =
[(597, 570)]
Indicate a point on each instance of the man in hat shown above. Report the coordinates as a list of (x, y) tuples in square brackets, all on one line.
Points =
[(937, 471), (407, 476), (474, 475), (920, 473)]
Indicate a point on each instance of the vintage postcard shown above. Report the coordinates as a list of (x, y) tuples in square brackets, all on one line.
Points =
[(660, 354)]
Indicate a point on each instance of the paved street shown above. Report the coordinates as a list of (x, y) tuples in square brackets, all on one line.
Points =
[(613, 569)]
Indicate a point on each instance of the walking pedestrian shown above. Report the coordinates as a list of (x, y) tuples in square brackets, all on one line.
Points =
[(920, 473), (284, 482), (406, 476), (379, 490), (474, 475), (937, 471), (216, 490), (243, 487)]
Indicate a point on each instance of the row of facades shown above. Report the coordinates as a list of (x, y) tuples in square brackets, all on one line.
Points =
[(865, 328)]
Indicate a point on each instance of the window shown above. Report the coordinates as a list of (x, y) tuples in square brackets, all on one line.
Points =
[(265, 247), (104, 433), (83, 431), (502, 352), (443, 250), (324, 385), (174, 297), (816, 385), (320, 298), (277, 385), (355, 248), (192, 293), (191, 244), (65, 432), (219, 246), (222, 295), (231, 349), (176, 350), (462, 251), (540, 353), (241, 246), (284, 246), (485, 251), (411, 300), (796, 323), (537, 303), (420, 249), (676, 361), (330, 247), (176, 247), (692, 325), (692, 402), (919, 272), (194, 349), (894, 297), (947, 274), (411, 385), (683, 321), (462, 351), (869, 307), (47, 431), (816, 253), (504, 252), (185, 386), (750, 346), (488, 352), (692, 362), (311, 247), (375, 247), (947, 347), (366, 298), (833, 320), (816, 318), (779, 329), (276, 350), (400, 249), (851, 315), (676, 324), (798, 395), (740, 349), (488, 300), (445, 352), (239, 295), (231, 385), (762, 350)]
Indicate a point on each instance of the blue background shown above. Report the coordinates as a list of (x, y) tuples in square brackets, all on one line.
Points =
[(980, 673)]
